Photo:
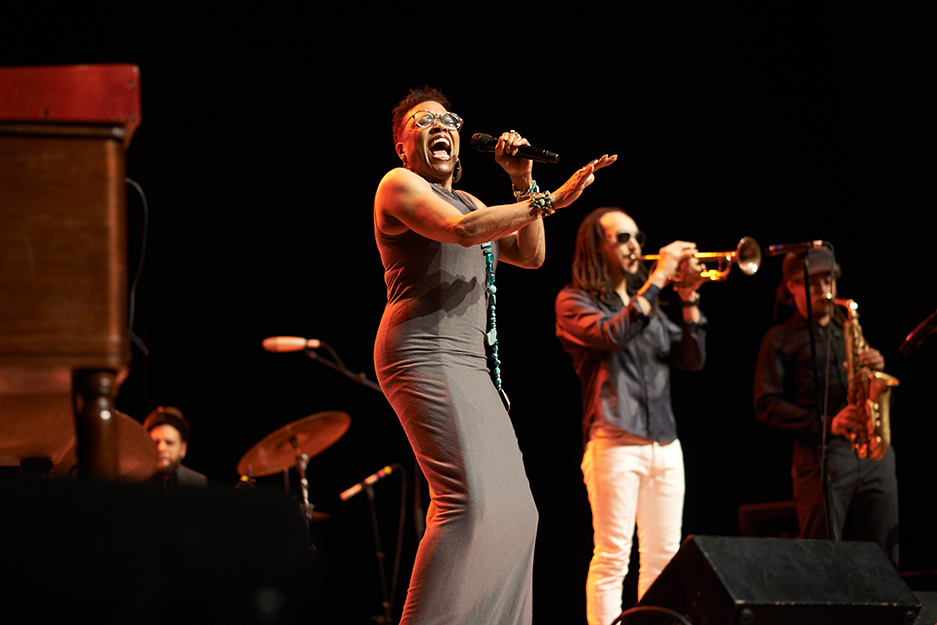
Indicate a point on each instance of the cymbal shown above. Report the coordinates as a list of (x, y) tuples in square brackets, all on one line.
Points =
[(137, 456), (43, 426), (310, 435)]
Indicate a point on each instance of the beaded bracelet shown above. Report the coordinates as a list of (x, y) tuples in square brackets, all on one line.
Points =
[(519, 196), (543, 202)]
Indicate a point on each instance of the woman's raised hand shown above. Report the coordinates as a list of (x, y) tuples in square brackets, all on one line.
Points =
[(572, 188)]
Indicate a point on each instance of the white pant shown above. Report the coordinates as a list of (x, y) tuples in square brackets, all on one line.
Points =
[(630, 484)]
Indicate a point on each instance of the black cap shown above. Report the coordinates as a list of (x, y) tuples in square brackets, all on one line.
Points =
[(819, 260), (168, 415)]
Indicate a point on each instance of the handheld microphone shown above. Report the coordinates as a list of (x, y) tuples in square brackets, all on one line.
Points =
[(486, 143), (371, 479), (290, 344), (796, 248)]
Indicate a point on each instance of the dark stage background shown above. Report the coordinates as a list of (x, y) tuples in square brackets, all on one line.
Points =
[(265, 135)]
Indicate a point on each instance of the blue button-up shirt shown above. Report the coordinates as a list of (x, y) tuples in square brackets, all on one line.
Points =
[(623, 359)]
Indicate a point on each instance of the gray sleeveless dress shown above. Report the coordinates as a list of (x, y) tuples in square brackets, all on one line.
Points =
[(475, 561)]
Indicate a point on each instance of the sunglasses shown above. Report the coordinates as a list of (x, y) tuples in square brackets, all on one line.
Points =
[(623, 237)]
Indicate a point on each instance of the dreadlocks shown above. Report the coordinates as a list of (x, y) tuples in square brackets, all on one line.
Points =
[(590, 268)]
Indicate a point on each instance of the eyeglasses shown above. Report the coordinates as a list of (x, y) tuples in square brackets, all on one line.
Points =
[(623, 237), (425, 119)]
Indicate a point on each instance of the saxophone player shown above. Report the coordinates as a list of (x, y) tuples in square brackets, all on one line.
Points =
[(863, 494)]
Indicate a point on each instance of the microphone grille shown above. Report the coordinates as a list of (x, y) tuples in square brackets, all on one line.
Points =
[(285, 344), (482, 142)]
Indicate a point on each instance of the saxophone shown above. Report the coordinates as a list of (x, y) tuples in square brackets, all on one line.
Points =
[(869, 391)]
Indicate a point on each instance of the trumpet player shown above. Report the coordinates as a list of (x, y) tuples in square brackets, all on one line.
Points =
[(863, 494), (623, 346)]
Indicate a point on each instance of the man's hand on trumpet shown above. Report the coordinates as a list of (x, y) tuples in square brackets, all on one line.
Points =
[(687, 279), (671, 257), (676, 262)]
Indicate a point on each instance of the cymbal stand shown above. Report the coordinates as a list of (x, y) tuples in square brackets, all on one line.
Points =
[(302, 461)]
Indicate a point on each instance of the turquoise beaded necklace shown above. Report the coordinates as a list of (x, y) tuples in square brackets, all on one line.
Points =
[(491, 337)]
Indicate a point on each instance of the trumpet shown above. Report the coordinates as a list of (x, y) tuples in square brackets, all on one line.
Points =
[(747, 256)]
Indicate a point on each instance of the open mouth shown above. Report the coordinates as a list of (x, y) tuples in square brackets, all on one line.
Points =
[(440, 148)]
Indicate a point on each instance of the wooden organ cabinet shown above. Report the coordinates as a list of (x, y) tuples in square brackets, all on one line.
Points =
[(63, 262)]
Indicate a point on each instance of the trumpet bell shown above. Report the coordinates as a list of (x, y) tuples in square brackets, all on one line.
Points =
[(748, 256)]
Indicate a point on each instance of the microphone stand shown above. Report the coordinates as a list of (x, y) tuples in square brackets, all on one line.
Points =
[(918, 334), (821, 411), (388, 594), (339, 366), (418, 513), (379, 553)]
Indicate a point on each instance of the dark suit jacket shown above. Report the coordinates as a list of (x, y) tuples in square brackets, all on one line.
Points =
[(184, 477)]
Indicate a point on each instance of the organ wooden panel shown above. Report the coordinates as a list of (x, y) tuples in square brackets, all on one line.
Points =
[(63, 259)]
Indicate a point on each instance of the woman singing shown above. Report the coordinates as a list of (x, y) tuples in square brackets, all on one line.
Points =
[(474, 563)]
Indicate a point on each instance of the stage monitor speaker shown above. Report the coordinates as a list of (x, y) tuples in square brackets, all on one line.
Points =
[(720, 580)]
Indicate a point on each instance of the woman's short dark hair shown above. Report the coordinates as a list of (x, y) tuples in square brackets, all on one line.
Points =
[(416, 96), (590, 268)]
